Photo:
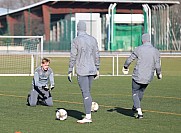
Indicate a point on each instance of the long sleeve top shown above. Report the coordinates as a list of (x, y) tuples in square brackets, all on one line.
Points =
[(85, 54), (42, 77), (148, 60)]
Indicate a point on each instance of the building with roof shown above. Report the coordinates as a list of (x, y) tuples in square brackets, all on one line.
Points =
[(117, 24)]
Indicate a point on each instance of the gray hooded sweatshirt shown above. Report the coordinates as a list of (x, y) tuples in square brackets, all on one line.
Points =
[(84, 52), (148, 60)]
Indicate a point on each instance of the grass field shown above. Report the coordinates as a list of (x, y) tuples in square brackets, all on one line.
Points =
[(161, 105)]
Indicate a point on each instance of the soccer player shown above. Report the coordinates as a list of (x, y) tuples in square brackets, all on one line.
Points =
[(148, 60), (40, 90), (85, 54)]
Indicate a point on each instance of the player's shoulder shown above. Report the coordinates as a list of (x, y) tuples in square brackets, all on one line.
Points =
[(157, 51), (143, 47), (76, 39), (146, 45), (50, 69), (137, 48), (91, 37), (38, 69), (83, 37)]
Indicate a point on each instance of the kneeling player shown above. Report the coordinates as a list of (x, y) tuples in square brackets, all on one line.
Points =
[(40, 91)]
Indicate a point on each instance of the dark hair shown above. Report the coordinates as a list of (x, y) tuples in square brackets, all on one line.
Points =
[(45, 60)]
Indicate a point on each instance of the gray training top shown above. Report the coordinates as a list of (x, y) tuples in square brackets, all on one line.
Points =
[(42, 77), (148, 60), (84, 52)]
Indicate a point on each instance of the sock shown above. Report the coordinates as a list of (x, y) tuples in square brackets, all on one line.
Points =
[(88, 116), (139, 111)]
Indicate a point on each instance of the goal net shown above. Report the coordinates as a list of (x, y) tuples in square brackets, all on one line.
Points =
[(19, 55)]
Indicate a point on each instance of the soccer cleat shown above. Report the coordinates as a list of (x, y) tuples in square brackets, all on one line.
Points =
[(134, 109), (139, 116), (85, 120)]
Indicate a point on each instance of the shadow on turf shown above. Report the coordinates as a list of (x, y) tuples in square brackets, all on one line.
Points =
[(124, 111), (74, 113)]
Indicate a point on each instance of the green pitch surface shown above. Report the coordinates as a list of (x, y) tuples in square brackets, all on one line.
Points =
[(161, 105)]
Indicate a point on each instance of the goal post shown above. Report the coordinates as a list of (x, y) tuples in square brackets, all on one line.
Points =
[(19, 55)]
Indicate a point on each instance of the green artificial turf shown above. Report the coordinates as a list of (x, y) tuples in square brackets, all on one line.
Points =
[(161, 104)]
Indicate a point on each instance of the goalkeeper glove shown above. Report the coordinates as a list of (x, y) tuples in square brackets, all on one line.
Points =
[(125, 70), (52, 87), (43, 96), (159, 76), (97, 75), (45, 87), (70, 76)]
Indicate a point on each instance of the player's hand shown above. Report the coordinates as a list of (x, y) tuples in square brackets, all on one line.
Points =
[(159, 76), (125, 70), (52, 87), (97, 75), (44, 96), (45, 87), (70, 76)]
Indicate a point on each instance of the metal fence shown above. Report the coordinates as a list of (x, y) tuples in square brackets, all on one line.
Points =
[(165, 33)]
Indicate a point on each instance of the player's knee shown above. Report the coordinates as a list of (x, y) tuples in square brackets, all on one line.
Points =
[(49, 101), (32, 103), (86, 95), (134, 94)]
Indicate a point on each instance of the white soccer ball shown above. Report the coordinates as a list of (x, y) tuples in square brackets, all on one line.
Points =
[(61, 114), (94, 107)]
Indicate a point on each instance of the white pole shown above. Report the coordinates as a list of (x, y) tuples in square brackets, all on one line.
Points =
[(113, 65), (41, 52), (109, 26), (146, 10), (167, 29), (117, 65), (149, 20), (32, 65), (112, 23)]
